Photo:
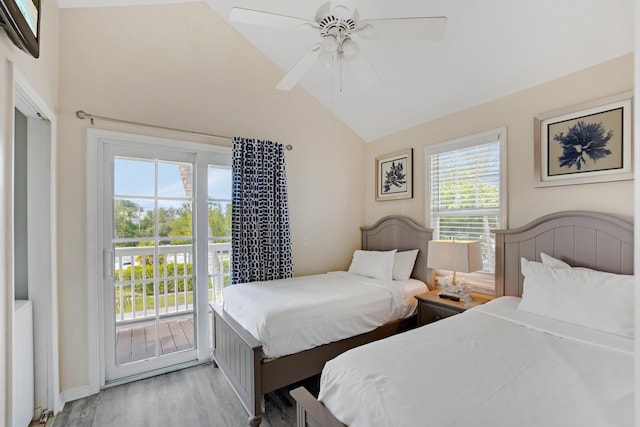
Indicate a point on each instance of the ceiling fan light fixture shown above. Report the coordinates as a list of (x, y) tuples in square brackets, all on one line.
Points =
[(330, 44), (350, 49)]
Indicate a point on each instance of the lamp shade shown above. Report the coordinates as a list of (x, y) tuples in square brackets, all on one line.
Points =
[(350, 49), (455, 255)]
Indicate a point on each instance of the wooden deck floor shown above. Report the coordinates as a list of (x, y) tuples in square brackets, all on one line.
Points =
[(137, 342)]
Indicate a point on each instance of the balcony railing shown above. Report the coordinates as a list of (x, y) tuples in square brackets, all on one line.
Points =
[(136, 274)]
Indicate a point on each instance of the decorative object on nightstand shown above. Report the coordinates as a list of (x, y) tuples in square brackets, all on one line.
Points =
[(432, 307), (457, 256)]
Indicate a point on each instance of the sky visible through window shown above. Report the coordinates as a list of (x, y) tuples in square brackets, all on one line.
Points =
[(134, 178)]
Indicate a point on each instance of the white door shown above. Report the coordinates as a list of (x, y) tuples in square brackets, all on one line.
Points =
[(151, 294)]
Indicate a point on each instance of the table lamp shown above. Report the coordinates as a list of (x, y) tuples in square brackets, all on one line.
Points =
[(457, 256)]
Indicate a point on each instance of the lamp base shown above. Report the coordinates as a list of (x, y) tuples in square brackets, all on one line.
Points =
[(458, 287)]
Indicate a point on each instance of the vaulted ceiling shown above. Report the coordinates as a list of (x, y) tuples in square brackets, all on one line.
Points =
[(490, 49)]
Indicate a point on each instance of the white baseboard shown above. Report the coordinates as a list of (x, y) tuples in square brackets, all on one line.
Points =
[(76, 393)]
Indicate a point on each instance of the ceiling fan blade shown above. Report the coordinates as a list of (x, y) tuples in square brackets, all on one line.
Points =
[(324, 10), (422, 28), (302, 67), (257, 17), (362, 71)]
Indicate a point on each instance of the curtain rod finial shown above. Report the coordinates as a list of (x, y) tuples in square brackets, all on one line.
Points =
[(84, 115)]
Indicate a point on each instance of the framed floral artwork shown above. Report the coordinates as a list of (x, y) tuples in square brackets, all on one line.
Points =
[(394, 175), (586, 143)]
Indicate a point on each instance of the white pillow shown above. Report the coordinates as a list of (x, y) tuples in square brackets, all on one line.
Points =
[(589, 298), (403, 264), (374, 264), (553, 262), (556, 263)]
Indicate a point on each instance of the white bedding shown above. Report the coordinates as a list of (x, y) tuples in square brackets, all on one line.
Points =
[(292, 315), (493, 366)]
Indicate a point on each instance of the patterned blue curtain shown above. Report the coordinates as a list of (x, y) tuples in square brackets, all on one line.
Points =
[(260, 230)]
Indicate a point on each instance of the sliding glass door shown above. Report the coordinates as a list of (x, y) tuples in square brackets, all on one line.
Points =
[(158, 276)]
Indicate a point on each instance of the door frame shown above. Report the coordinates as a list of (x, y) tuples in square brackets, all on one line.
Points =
[(43, 283), (96, 139)]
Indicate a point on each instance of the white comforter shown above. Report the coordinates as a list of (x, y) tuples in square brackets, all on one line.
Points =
[(292, 315), (491, 366)]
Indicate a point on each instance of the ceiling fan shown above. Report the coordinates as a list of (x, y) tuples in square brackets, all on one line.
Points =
[(338, 28)]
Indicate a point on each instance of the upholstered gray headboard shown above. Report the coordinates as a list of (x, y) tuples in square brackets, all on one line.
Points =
[(401, 233), (581, 238)]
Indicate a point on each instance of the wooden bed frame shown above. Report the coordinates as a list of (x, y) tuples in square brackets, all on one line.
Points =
[(581, 238), (239, 355)]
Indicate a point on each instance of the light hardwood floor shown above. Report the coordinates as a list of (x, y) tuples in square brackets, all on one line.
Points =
[(193, 397)]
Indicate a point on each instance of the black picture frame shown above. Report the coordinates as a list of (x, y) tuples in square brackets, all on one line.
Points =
[(394, 175)]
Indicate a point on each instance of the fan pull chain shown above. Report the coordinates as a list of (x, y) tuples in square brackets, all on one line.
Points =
[(340, 71), (333, 85)]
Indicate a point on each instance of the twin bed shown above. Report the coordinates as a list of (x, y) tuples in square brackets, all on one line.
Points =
[(556, 350), (270, 335)]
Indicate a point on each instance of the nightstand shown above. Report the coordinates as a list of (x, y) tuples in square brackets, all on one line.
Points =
[(432, 308)]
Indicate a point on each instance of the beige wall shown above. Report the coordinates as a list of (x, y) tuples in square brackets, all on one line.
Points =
[(182, 66), (42, 76), (516, 112), (42, 72)]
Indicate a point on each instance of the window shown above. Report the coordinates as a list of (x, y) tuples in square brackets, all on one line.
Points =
[(466, 193)]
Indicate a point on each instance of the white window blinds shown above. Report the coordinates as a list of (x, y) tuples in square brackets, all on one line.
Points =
[(466, 190)]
